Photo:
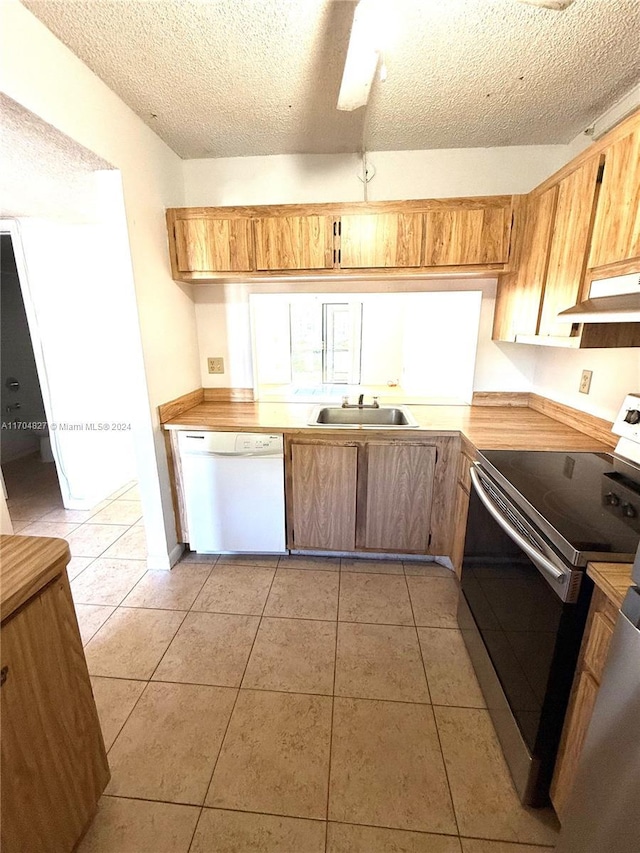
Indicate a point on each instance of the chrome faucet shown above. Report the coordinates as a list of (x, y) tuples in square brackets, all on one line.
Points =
[(360, 404)]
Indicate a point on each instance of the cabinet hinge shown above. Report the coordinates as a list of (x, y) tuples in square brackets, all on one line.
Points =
[(334, 256), (600, 173), (335, 229), (339, 255), (429, 541), (436, 454), (340, 228)]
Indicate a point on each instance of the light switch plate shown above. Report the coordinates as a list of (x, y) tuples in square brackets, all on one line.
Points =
[(585, 381), (215, 365)]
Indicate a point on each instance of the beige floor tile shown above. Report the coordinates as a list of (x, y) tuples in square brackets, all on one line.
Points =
[(450, 674), (173, 590), (347, 838), (300, 594), (243, 832), (384, 567), (31, 509), (119, 512), (235, 589), (193, 557), (107, 581), (429, 569), (138, 826), (275, 756), (374, 598), (92, 540), (379, 662), (131, 546), (132, 642), (77, 565), (434, 601), (133, 494), (386, 767), (71, 515), (58, 529), (294, 655), (91, 617), (265, 561), (474, 845), (297, 561), (115, 699), (19, 526), (486, 803), (209, 648), (121, 491), (168, 746)]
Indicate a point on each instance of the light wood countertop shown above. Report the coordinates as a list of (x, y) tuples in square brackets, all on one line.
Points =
[(486, 427), (27, 564), (614, 579)]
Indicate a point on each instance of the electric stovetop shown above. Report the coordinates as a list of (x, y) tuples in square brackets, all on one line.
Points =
[(590, 500)]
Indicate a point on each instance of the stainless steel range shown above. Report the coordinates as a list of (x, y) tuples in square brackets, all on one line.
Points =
[(535, 520)]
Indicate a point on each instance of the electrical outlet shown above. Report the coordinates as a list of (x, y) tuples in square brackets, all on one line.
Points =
[(216, 365), (585, 381)]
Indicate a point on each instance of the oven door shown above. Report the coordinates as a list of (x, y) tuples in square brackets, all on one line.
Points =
[(522, 613)]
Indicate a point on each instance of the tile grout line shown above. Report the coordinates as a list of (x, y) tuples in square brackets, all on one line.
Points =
[(333, 707), (195, 829), (433, 714), (235, 702)]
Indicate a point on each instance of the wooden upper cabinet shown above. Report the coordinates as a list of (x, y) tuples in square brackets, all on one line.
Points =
[(213, 245), (324, 483), (381, 240), (519, 293), (400, 481), (463, 236), (294, 242), (616, 232), (569, 246)]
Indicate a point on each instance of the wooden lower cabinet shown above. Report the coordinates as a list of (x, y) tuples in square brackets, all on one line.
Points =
[(54, 765), (399, 495), (394, 496), (323, 499), (591, 663)]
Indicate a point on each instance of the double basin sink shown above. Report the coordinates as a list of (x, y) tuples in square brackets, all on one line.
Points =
[(385, 417)]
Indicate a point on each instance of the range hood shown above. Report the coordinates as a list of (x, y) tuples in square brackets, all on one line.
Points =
[(611, 300)]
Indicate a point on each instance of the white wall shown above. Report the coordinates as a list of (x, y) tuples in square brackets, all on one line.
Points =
[(616, 372), (308, 178), (40, 73)]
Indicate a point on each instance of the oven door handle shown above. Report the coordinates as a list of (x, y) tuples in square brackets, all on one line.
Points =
[(543, 563)]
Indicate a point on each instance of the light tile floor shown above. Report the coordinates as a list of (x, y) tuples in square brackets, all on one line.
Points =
[(283, 705)]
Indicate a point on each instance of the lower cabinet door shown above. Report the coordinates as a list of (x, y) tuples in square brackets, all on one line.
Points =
[(399, 489), (324, 484)]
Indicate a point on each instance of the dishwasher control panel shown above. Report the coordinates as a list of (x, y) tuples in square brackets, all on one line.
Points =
[(201, 442)]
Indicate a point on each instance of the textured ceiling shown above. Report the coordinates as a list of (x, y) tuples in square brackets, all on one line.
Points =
[(218, 78), (44, 173)]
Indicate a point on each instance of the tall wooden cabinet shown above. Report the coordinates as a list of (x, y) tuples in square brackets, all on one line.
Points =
[(54, 765)]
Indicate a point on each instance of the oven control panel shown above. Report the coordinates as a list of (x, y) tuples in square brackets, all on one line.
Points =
[(627, 424)]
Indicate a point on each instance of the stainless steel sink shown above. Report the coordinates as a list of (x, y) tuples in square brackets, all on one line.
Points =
[(387, 417)]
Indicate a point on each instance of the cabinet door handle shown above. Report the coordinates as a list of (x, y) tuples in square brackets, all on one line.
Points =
[(4, 672)]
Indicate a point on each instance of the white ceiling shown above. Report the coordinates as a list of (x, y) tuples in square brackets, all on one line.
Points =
[(218, 78), (44, 173)]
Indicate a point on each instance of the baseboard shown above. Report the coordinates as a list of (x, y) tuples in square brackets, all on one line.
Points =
[(164, 562)]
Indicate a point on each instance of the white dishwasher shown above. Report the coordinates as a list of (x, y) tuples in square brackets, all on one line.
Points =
[(234, 491)]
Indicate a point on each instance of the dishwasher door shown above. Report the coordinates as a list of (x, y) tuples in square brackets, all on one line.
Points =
[(234, 492)]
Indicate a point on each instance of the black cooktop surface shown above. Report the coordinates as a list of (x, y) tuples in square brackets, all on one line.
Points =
[(591, 499)]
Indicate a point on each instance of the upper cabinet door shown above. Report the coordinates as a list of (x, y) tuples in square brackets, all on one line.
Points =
[(616, 232), (294, 243), (214, 245), (459, 236), (381, 240), (569, 246), (519, 293)]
